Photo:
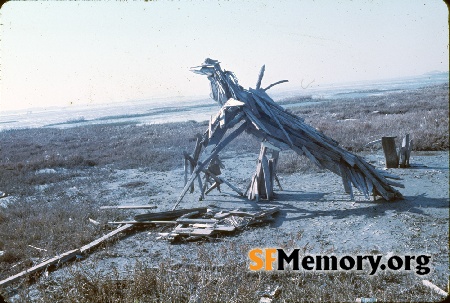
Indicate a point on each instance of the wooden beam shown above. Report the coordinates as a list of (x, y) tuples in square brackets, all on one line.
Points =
[(214, 152), (143, 222), (260, 76), (168, 215), (129, 207), (97, 242), (42, 266)]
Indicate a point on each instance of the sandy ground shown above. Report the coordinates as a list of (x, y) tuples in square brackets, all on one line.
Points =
[(316, 215)]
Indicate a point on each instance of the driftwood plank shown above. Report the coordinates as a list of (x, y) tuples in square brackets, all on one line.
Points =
[(97, 242), (266, 176), (142, 222), (346, 181), (168, 215), (42, 266), (129, 207), (186, 169), (194, 221), (189, 231), (260, 76), (269, 112)]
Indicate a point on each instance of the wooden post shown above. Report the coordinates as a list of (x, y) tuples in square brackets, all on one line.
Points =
[(390, 152), (262, 182), (405, 152)]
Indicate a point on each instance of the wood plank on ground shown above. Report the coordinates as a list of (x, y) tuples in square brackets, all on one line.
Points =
[(142, 222), (168, 215), (42, 266), (97, 242), (129, 207)]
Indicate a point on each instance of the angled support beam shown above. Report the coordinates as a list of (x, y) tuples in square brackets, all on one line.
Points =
[(214, 152)]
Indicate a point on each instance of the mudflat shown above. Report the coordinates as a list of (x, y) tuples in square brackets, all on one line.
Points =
[(55, 180)]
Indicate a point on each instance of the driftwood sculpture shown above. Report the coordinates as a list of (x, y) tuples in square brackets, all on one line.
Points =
[(255, 112)]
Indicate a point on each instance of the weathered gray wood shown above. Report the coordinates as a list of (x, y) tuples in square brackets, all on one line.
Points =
[(267, 212), (168, 215), (255, 121), (215, 185), (186, 168), (388, 175), (129, 207), (267, 177), (278, 182), (390, 151), (211, 155), (195, 155), (369, 185), (190, 231), (269, 121), (260, 76), (276, 83), (219, 180), (195, 220), (345, 180), (42, 266), (142, 222), (269, 112), (405, 152), (106, 237)]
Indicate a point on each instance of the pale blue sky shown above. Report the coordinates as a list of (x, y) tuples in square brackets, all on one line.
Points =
[(61, 53)]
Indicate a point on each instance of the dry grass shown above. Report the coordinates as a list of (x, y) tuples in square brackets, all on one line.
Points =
[(353, 123), (208, 281), (49, 217)]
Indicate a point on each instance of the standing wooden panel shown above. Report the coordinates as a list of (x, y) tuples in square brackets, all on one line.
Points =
[(390, 151)]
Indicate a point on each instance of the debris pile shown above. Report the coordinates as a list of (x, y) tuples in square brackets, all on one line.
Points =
[(197, 223), (190, 224)]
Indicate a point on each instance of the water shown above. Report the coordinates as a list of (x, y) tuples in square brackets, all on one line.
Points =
[(198, 109)]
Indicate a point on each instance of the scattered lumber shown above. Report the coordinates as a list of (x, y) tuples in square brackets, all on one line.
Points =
[(186, 226), (129, 207), (256, 113), (168, 215), (221, 222)]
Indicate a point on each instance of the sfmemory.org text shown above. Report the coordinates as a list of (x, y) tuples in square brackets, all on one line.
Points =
[(278, 259)]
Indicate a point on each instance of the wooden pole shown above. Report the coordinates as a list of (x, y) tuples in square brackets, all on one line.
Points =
[(405, 152)]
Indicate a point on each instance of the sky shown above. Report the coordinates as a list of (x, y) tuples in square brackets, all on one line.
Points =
[(62, 53)]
